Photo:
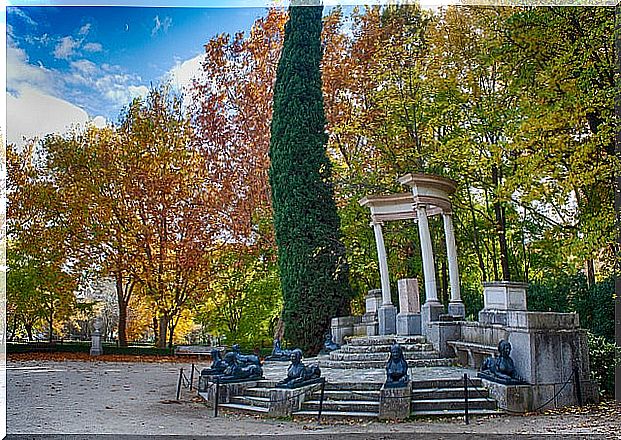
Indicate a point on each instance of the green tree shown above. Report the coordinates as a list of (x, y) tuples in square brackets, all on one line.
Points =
[(311, 256)]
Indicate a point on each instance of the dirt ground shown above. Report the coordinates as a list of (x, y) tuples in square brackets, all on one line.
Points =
[(138, 398)]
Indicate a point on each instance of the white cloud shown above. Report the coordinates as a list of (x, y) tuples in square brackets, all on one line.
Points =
[(66, 48), (21, 14), (159, 24), (93, 47), (85, 29), (85, 67), (182, 74), (32, 113)]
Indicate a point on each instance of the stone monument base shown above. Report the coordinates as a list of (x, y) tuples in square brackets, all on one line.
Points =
[(408, 324), (284, 401), (387, 316), (457, 309), (395, 403)]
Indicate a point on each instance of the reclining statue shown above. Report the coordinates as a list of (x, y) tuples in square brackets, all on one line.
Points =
[(299, 375), (396, 368), (244, 359), (239, 372), (501, 368), (218, 365), (278, 354)]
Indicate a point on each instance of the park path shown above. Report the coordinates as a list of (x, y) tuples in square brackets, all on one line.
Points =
[(77, 397)]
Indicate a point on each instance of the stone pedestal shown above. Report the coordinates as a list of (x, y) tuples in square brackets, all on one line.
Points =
[(408, 319), (387, 316), (96, 348), (226, 391), (395, 403), (373, 302), (430, 312), (504, 295), (457, 309)]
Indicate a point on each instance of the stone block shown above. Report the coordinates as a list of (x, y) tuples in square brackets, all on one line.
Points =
[(373, 300), (395, 403), (542, 320), (408, 324), (441, 332), (387, 317), (493, 317), (227, 390), (516, 398), (504, 295), (343, 326), (283, 402), (430, 312), (409, 299)]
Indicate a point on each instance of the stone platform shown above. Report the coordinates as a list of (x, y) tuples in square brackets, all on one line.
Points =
[(373, 352)]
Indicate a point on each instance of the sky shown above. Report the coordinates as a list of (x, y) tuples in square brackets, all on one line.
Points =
[(70, 64)]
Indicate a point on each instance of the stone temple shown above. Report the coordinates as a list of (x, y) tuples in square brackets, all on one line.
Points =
[(548, 366)]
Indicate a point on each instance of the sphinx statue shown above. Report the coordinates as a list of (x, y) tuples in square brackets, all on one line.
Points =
[(237, 371), (328, 344), (396, 368), (501, 369), (245, 359), (299, 375), (278, 354), (217, 366)]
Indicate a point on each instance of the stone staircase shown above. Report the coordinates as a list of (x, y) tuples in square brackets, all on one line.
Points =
[(343, 401), (373, 352), (360, 401), (445, 397)]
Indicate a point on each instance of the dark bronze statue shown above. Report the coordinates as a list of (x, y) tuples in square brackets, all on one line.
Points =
[(237, 371), (243, 359), (278, 354), (396, 368), (299, 375), (501, 368), (328, 344), (218, 365)]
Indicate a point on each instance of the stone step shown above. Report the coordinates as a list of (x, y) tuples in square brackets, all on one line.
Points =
[(342, 405), (382, 364), (446, 393), (354, 386), (379, 356), (251, 401), (347, 395), (455, 413), (446, 383), (385, 340), (452, 404), (257, 392), (383, 348), (248, 409), (335, 415)]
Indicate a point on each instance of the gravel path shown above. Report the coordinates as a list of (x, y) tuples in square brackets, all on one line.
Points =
[(75, 397)]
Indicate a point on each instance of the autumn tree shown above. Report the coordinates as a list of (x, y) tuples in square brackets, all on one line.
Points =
[(313, 266)]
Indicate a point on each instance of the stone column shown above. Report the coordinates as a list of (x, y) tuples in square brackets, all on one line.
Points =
[(96, 348), (456, 306), (432, 308), (387, 313)]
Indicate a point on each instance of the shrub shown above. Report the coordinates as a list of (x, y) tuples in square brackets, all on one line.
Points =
[(602, 360)]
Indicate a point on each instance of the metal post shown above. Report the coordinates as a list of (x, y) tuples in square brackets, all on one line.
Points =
[(323, 387), (179, 383), (192, 377), (578, 386), (215, 405), (466, 398)]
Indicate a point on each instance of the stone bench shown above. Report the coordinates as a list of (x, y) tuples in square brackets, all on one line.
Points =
[(471, 354), (193, 350)]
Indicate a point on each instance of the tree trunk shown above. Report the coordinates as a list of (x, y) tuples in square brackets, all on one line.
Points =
[(123, 301), (163, 331), (590, 272), (499, 213), (28, 328), (155, 330), (476, 239)]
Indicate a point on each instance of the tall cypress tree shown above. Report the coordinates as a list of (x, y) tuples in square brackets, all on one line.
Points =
[(311, 256)]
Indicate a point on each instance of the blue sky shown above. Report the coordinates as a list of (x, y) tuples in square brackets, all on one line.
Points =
[(68, 64)]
